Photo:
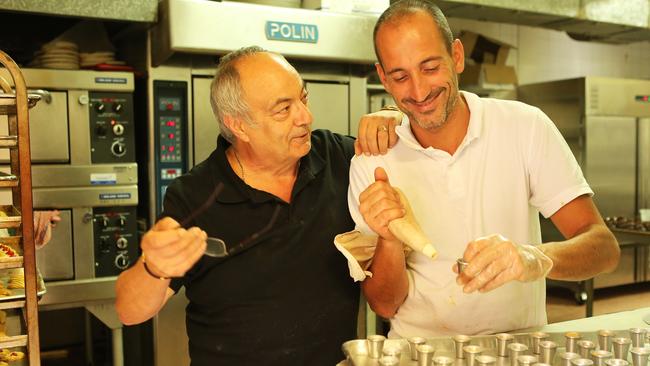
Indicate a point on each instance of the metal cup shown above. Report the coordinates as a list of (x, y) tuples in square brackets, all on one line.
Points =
[(515, 350), (547, 353), (599, 357), (585, 347), (443, 361), (460, 341), (566, 358), (616, 362), (526, 360), (503, 340), (470, 352), (389, 361), (637, 335), (461, 265), (605, 339), (425, 354), (621, 346), (413, 343), (375, 345), (485, 360), (571, 339), (582, 362), (640, 356), (391, 351), (537, 337)]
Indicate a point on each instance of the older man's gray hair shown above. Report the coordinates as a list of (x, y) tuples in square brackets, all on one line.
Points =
[(226, 94)]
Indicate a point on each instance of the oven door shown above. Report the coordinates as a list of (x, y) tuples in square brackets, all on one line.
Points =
[(48, 129), (55, 259)]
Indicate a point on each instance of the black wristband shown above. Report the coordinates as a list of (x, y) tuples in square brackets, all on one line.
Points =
[(146, 268)]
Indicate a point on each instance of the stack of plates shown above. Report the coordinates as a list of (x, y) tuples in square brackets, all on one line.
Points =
[(95, 58), (57, 55)]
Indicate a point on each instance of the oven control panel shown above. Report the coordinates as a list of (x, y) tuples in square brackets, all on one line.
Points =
[(112, 135), (115, 239), (170, 134)]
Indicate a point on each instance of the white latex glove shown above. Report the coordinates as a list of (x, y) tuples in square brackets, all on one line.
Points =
[(495, 261)]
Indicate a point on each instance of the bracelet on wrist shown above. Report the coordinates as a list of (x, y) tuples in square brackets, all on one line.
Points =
[(146, 268)]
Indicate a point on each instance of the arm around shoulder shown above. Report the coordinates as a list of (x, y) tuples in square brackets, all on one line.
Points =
[(590, 247)]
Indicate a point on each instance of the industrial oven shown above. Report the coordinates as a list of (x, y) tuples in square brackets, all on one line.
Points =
[(606, 122), (83, 164)]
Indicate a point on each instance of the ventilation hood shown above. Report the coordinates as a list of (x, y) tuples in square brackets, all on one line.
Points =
[(610, 21), (209, 27)]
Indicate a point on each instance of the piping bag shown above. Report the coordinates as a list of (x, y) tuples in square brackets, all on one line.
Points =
[(359, 248)]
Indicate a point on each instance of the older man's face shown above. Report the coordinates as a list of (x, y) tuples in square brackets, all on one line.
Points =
[(277, 99)]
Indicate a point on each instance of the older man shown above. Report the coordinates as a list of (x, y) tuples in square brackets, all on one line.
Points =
[(282, 297), (477, 173)]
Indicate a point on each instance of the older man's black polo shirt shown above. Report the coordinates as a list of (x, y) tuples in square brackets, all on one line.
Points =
[(287, 297)]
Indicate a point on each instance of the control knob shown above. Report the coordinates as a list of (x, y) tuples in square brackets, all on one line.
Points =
[(118, 129), (122, 242), (121, 221), (117, 107), (103, 222), (118, 149), (122, 260), (100, 107)]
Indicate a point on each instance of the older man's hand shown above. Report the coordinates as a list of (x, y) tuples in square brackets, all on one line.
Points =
[(495, 261), (377, 132), (170, 250)]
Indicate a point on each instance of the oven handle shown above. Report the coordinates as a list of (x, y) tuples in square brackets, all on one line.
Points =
[(45, 95)]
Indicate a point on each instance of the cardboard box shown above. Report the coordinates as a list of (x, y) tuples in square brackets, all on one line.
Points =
[(486, 76), (484, 50), (485, 65)]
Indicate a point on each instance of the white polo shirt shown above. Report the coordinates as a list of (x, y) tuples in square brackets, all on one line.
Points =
[(512, 164)]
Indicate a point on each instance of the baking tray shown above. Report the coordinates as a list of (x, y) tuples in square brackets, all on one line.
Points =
[(8, 102), (12, 219), (19, 293), (356, 351)]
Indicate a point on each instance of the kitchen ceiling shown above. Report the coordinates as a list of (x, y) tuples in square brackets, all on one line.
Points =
[(610, 21)]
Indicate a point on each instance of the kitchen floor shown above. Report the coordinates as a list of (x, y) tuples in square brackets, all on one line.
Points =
[(561, 305)]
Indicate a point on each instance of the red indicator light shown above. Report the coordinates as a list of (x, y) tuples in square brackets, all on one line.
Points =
[(171, 123), (113, 122), (171, 171), (171, 149), (169, 106), (163, 148), (171, 136)]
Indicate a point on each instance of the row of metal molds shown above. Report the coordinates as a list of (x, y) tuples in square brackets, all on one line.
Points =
[(602, 348)]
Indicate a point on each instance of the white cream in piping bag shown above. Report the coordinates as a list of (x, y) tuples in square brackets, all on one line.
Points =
[(408, 231)]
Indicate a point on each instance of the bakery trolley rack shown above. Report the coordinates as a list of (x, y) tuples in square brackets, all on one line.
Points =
[(15, 104)]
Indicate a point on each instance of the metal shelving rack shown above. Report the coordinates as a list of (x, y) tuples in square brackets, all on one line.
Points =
[(15, 103)]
